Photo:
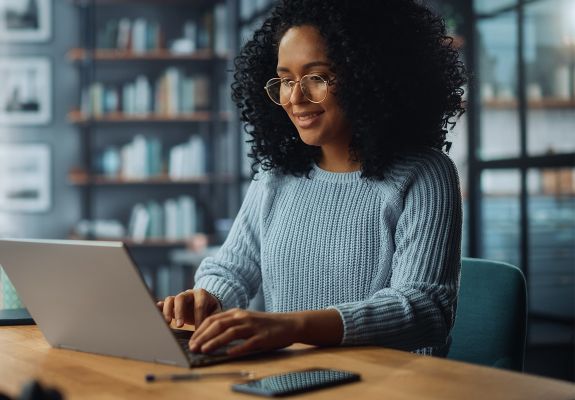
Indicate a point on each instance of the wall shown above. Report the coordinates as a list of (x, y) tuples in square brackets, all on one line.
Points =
[(58, 134)]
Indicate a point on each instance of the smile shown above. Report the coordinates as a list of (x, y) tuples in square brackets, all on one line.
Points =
[(307, 119)]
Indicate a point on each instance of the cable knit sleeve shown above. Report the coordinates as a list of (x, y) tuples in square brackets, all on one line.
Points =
[(233, 275), (417, 310)]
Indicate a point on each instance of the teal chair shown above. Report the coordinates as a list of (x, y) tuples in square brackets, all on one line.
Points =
[(491, 320)]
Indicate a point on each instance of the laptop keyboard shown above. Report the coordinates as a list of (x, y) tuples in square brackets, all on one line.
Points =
[(196, 359)]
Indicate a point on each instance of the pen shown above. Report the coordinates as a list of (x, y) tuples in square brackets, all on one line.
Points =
[(198, 375)]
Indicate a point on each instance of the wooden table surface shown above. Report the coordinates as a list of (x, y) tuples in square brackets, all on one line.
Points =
[(386, 374)]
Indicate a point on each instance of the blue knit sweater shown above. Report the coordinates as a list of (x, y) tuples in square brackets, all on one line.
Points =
[(385, 254)]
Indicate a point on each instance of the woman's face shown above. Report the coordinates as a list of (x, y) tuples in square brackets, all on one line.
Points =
[(302, 51)]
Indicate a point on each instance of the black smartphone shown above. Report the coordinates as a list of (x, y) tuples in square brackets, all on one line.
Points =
[(296, 382)]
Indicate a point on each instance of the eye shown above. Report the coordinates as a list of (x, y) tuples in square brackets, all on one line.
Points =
[(317, 78), (286, 82)]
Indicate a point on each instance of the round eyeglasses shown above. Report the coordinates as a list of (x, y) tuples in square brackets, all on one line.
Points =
[(314, 88)]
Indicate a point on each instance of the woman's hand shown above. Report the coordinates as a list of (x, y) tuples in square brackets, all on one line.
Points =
[(190, 307), (261, 331)]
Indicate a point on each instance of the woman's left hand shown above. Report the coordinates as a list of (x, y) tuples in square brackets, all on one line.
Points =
[(261, 331)]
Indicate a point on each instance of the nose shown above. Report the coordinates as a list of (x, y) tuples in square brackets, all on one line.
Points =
[(297, 94)]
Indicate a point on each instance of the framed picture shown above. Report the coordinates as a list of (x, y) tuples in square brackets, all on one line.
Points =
[(25, 20), (25, 91), (25, 177)]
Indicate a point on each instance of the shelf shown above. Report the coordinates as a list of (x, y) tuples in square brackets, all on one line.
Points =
[(80, 178), (548, 103), (133, 243), (155, 243), (193, 3), (80, 54), (77, 117)]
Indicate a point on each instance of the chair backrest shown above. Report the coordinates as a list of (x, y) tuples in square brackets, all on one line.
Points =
[(490, 325)]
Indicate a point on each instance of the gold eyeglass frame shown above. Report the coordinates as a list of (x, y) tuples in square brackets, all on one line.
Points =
[(273, 81)]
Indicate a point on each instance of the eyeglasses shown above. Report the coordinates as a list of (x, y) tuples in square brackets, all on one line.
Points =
[(314, 88)]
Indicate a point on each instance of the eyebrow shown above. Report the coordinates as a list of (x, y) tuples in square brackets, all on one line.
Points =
[(306, 66)]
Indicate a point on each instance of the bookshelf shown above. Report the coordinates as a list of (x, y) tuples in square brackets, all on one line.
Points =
[(78, 117), (82, 55), (150, 244), (545, 103), (81, 178), (152, 121)]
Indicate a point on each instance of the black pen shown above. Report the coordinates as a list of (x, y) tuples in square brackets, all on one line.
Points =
[(199, 375)]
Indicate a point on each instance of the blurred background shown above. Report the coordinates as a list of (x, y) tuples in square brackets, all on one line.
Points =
[(116, 124)]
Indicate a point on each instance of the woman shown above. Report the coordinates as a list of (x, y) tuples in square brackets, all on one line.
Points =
[(352, 224)]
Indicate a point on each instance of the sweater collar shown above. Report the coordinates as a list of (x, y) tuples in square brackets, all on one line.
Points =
[(336, 177)]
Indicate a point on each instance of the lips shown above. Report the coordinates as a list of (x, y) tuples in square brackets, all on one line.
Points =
[(308, 118)]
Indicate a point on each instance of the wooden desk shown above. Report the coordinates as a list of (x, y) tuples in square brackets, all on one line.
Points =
[(386, 374)]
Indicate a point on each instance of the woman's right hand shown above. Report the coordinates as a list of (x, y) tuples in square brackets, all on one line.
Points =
[(189, 307)]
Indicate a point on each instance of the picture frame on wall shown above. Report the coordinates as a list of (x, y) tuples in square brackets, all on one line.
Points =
[(24, 21), (25, 177), (25, 91)]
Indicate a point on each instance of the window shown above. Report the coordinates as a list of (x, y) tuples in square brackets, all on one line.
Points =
[(550, 67), (521, 179), (552, 241), (521, 146), (497, 55)]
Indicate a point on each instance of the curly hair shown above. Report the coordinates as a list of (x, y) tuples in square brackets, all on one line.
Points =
[(399, 81)]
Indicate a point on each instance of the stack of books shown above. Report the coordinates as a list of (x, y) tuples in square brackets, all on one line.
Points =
[(141, 158), (188, 159), (174, 219), (138, 35), (173, 94)]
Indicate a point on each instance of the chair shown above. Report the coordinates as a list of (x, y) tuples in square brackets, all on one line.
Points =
[(490, 325)]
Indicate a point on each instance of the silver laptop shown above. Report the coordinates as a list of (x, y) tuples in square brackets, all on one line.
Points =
[(89, 296)]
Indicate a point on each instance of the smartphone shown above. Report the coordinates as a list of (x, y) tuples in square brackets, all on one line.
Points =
[(296, 382)]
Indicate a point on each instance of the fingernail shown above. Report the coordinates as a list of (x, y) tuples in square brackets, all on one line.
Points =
[(179, 322)]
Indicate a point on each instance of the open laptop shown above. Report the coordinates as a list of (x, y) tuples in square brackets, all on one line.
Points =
[(89, 296)]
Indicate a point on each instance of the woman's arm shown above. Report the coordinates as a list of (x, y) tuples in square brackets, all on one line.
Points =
[(233, 275), (417, 310), (267, 331)]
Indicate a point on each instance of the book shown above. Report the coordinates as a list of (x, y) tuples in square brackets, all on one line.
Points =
[(205, 31), (139, 36), (139, 222), (171, 219), (221, 42), (124, 38), (201, 93), (153, 157), (143, 95), (156, 226), (187, 217), (173, 85), (187, 92), (188, 159), (128, 99)]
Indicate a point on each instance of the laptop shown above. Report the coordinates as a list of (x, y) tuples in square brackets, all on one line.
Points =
[(89, 296)]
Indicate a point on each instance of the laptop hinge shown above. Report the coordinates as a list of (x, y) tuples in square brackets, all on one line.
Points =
[(66, 347), (170, 362)]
